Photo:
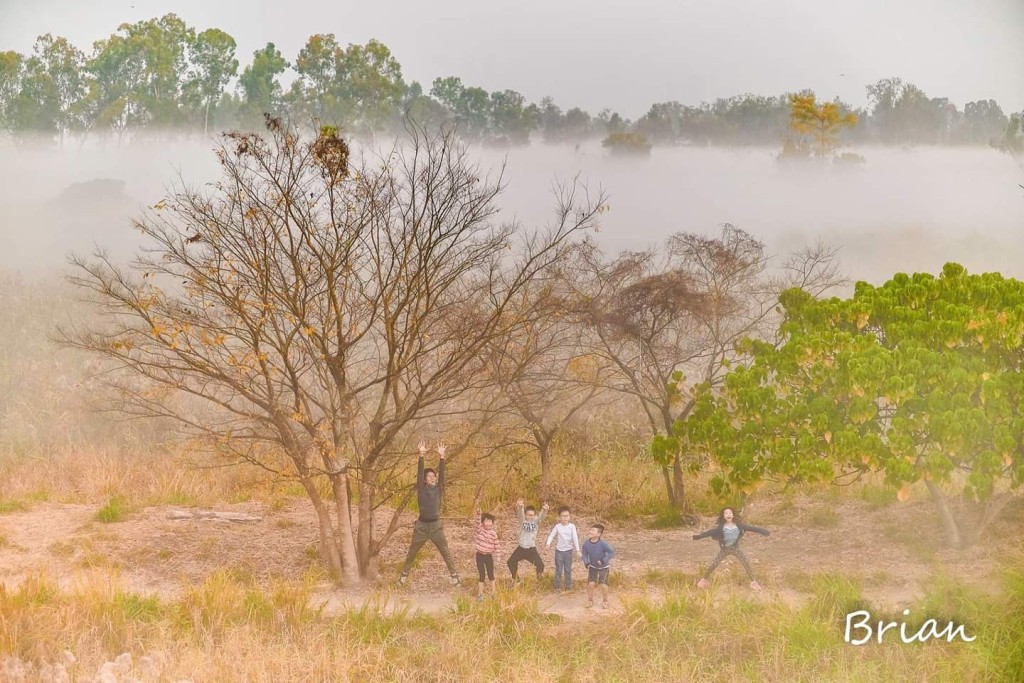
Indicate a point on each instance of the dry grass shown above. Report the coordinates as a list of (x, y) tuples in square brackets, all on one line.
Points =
[(226, 630), (234, 620)]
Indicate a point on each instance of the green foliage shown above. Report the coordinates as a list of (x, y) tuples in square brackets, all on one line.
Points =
[(916, 379), (261, 91), (114, 511), (360, 86)]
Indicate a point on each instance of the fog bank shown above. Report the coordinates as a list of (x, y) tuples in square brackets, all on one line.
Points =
[(903, 210)]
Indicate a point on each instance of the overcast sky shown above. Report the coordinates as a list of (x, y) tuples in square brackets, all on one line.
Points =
[(622, 55)]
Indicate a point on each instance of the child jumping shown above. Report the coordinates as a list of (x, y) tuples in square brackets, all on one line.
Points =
[(597, 558), (429, 527), (529, 523), (728, 534), (568, 541), (486, 549)]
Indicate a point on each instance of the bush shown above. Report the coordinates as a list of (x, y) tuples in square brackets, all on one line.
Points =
[(114, 511), (627, 143)]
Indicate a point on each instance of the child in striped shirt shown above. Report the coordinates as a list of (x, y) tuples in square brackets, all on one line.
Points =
[(486, 548)]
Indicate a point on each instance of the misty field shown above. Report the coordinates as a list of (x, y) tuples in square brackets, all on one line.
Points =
[(223, 389)]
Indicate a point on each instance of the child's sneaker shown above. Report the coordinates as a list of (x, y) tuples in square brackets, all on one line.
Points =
[(590, 603), (479, 597), (455, 581), (703, 583), (755, 585), (401, 581), (604, 605)]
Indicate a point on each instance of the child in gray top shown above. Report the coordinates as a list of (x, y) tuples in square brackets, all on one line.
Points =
[(728, 534), (529, 524)]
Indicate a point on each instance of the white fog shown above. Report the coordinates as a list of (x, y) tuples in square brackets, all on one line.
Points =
[(905, 209)]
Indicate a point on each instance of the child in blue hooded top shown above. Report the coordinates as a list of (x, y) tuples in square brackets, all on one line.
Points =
[(597, 558)]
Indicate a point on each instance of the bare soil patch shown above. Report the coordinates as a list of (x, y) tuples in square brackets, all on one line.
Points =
[(893, 551)]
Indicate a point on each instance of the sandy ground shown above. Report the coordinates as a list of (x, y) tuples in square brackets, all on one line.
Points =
[(894, 551)]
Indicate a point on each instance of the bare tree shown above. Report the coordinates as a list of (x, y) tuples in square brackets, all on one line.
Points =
[(544, 371), (320, 314), (669, 321)]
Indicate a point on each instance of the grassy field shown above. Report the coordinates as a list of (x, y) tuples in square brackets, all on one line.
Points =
[(224, 630), (96, 584)]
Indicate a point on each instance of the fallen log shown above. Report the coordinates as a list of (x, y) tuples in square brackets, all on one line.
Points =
[(213, 515)]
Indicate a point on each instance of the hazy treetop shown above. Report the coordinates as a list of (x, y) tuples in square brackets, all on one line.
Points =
[(605, 53)]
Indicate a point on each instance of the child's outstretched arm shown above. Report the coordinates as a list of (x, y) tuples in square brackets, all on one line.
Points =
[(543, 511), (755, 529), (419, 469), (520, 514), (703, 534)]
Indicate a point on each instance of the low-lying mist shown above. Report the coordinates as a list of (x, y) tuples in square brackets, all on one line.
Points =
[(903, 210)]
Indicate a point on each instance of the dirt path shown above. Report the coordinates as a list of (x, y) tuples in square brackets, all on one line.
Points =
[(893, 551)]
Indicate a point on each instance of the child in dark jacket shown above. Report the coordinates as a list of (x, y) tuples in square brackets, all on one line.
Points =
[(597, 558), (728, 534), (429, 526)]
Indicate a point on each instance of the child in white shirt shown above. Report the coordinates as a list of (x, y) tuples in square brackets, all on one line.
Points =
[(567, 541)]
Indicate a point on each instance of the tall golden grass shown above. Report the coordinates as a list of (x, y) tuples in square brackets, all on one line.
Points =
[(226, 630)]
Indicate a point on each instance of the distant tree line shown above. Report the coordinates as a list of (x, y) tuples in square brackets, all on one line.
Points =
[(162, 74)]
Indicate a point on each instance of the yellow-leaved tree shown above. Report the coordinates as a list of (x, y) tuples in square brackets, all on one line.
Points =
[(819, 125)]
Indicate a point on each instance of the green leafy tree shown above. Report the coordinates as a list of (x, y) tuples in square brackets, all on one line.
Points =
[(371, 84), (552, 120), (53, 86), (259, 84), (11, 66), (984, 122), (610, 122), (315, 92), (577, 125), (510, 122), (918, 379), (903, 114), (212, 66), (470, 107), (359, 87), (423, 109), (137, 75)]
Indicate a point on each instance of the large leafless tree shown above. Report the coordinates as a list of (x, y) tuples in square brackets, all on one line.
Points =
[(317, 312)]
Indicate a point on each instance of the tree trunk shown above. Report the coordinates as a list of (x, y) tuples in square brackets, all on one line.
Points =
[(364, 536), (678, 487), (991, 512), (328, 542), (953, 535), (669, 489), (545, 469), (206, 123), (351, 568)]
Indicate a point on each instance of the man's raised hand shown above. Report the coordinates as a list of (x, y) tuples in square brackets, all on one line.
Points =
[(441, 448), (423, 448), (545, 506), (519, 503)]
